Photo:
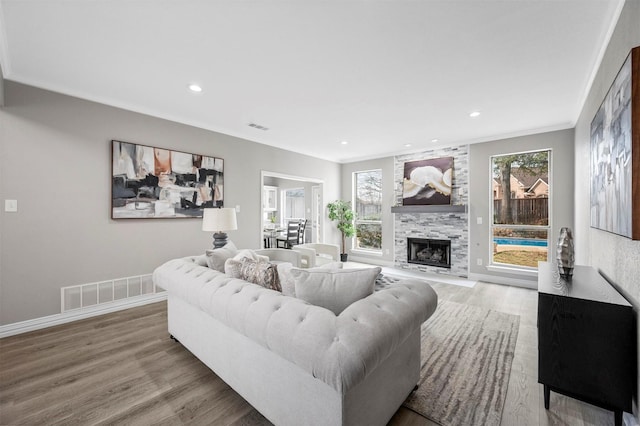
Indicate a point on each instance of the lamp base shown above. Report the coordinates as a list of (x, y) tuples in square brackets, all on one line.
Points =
[(219, 239)]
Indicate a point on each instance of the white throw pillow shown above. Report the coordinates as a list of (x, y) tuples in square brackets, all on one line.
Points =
[(335, 289), (250, 254), (288, 282), (217, 257)]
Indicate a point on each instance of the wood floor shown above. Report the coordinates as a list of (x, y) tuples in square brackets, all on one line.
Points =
[(122, 368)]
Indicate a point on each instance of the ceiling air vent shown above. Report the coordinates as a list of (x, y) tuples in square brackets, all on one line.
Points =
[(257, 126)]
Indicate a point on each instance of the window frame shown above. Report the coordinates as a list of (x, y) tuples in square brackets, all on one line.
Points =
[(512, 268), (283, 201), (356, 221)]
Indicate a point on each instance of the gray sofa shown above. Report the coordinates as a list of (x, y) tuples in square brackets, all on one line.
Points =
[(296, 363)]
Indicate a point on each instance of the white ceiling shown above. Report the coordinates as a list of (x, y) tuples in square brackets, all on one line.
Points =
[(378, 74)]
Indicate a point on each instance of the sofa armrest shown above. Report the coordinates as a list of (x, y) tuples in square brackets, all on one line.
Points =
[(366, 333), (280, 255), (322, 249), (307, 254), (330, 250)]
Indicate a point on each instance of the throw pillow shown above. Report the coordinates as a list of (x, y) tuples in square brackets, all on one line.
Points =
[(335, 289), (254, 271), (288, 282), (250, 254), (232, 268), (217, 257)]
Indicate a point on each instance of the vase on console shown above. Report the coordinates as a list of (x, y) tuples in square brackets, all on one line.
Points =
[(565, 255)]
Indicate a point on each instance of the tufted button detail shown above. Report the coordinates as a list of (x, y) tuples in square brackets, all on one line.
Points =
[(336, 339)]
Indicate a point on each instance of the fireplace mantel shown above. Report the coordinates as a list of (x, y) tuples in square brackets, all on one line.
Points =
[(456, 208)]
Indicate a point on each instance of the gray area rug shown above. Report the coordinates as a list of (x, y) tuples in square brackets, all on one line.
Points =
[(466, 361)]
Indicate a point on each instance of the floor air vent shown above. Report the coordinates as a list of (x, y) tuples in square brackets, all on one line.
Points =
[(91, 295)]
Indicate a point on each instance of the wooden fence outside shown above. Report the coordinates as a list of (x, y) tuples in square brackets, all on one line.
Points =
[(526, 211)]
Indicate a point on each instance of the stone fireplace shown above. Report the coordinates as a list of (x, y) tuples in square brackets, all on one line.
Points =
[(437, 223), (428, 251)]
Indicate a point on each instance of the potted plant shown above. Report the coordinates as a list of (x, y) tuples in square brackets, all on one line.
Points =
[(341, 212)]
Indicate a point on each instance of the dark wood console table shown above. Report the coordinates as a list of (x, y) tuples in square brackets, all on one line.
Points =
[(586, 339)]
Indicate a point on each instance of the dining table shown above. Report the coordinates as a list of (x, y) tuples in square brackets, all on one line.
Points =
[(269, 236)]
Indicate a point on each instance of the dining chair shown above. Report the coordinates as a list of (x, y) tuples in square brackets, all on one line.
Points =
[(301, 231), (291, 237)]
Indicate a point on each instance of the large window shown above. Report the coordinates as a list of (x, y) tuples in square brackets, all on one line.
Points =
[(520, 226), (368, 206), (293, 204)]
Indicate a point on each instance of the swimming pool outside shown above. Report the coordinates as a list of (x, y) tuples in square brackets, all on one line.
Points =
[(520, 242)]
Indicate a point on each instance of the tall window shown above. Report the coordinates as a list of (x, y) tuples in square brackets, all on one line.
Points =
[(368, 206), (520, 226), (293, 200)]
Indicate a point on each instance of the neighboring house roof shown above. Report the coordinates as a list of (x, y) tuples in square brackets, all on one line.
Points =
[(538, 182), (527, 180)]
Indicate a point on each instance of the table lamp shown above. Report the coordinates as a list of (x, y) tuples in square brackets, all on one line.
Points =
[(218, 221)]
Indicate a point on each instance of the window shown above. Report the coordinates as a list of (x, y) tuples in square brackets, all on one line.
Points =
[(520, 226), (368, 209), (294, 207)]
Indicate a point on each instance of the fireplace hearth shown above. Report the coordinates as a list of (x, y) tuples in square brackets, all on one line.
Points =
[(425, 251)]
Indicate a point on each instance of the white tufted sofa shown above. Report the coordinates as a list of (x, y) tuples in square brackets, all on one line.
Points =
[(296, 363)]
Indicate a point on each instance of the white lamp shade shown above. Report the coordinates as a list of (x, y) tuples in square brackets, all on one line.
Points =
[(219, 220)]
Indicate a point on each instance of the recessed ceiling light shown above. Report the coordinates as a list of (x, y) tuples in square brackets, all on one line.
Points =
[(195, 88), (434, 140), (344, 142), (407, 145), (474, 114)]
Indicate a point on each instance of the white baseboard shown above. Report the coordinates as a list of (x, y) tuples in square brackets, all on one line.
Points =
[(70, 316), (516, 282), (370, 260)]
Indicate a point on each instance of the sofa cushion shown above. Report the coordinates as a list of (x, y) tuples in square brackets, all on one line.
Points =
[(288, 282), (334, 289), (254, 271), (217, 257)]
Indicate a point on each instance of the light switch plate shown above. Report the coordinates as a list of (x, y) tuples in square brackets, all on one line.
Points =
[(11, 206)]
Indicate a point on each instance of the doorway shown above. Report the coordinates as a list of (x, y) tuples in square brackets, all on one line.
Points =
[(310, 209)]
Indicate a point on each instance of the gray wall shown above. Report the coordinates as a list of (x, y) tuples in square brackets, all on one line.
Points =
[(617, 257), (386, 165), (55, 160), (562, 187)]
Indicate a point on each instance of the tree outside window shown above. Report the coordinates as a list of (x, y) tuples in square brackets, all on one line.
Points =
[(368, 209), (520, 226)]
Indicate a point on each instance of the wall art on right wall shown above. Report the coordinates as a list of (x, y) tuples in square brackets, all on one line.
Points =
[(615, 154)]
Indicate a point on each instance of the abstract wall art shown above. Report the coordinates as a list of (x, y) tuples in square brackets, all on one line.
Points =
[(615, 154), (427, 182), (149, 182)]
